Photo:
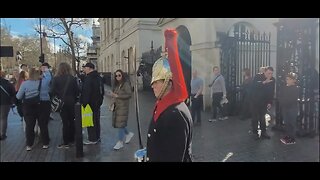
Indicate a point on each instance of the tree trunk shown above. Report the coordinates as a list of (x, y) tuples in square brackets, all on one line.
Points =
[(72, 51), (71, 45)]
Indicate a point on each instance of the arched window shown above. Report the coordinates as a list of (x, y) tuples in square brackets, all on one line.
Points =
[(241, 28)]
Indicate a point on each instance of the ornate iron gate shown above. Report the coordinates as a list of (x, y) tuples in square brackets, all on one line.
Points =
[(145, 68), (296, 51), (242, 50)]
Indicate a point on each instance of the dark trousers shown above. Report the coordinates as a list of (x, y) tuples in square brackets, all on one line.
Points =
[(94, 132), (258, 115), (4, 112), (216, 98), (37, 112), (68, 126), (290, 120), (245, 109), (196, 107)]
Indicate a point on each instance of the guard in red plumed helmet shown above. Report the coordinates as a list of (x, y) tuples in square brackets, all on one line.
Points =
[(170, 132)]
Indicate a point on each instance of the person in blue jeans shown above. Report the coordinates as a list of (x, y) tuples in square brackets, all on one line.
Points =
[(121, 94)]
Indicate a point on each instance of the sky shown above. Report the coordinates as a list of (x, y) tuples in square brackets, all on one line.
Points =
[(25, 26)]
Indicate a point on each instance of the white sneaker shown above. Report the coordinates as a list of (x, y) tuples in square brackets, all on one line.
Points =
[(128, 137), (29, 148), (212, 120), (89, 142), (223, 118), (119, 145)]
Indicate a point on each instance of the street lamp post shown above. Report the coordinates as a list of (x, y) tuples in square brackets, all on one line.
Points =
[(41, 58), (152, 52), (54, 50)]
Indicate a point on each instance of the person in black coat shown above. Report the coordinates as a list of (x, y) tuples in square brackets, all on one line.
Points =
[(261, 99), (92, 93), (170, 131), (7, 94), (65, 87), (245, 94)]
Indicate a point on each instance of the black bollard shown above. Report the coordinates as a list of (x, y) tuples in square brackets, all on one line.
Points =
[(78, 129)]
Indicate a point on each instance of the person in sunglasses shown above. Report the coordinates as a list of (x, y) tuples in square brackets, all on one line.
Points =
[(121, 94)]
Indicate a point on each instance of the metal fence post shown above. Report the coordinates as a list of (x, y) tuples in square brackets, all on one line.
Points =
[(78, 130)]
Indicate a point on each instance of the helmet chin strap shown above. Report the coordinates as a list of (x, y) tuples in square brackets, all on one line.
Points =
[(164, 88)]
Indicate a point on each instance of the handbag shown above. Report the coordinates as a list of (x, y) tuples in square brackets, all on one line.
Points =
[(35, 99), (112, 106), (56, 102)]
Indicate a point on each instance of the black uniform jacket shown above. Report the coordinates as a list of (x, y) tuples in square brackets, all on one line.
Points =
[(169, 138), (92, 90), (262, 94)]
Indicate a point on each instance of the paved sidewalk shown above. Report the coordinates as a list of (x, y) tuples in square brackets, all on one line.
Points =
[(212, 141)]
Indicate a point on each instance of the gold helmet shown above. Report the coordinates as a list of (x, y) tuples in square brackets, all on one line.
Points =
[(161, 70)]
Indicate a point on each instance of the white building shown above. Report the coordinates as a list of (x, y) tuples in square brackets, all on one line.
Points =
[(93, 50), (198, 41), (119, 37)]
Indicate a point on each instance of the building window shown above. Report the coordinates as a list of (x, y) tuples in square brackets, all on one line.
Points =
[(112, 22), (108, 30), (112, 27), (122, 21), (105, 30), (123, 54), (108, 64), (112, 63)]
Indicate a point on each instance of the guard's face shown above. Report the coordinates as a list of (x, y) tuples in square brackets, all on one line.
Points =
[(157, 86)]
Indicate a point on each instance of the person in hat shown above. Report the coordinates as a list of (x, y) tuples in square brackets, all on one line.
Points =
[(92, 93), (170, 130)]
